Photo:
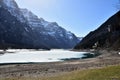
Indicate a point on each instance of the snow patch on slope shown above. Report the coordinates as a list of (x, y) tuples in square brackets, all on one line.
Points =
[(13, 8), (70, 35), (10, 3), (43, 22), (51, 29)]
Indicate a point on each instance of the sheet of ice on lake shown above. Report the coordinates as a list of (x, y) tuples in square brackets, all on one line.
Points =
[(27, 56)]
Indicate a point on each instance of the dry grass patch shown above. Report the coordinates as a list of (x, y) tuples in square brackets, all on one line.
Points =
[(107, 73)]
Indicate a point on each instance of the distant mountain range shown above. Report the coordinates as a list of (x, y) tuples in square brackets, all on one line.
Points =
[(107, 36), (20, 28)]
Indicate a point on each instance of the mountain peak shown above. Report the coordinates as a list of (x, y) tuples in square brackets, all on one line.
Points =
[(10, 3), (43, 33), (27, 14), (54, 23), (13, 8)]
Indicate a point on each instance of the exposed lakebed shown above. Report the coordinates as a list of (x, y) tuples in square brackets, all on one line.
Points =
[(39, 56)]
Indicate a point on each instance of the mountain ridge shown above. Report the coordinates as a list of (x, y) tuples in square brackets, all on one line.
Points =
[(104, 37), (37, 32)]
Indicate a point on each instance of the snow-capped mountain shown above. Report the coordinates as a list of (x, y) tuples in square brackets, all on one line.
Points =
[(80, 38), (12, 31), (13, 8), (42, 33), (51, 29), (15, 33)]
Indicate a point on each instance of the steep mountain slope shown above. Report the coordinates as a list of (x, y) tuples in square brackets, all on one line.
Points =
[(12, 32), (13, 8), (15, 33), (20, 28), (107, 36), (51, 32)]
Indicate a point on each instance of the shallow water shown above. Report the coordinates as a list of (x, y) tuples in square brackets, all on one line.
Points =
[(35, 56)]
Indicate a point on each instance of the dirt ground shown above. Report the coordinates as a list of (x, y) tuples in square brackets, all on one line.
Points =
[(57, 68)]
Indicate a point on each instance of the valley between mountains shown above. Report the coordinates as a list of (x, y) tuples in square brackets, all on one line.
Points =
[(21, 31)]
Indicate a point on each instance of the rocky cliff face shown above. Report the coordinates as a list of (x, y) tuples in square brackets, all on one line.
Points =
[(12, 7), (51, 32), (20, 28), (107, 36), (12, 32)]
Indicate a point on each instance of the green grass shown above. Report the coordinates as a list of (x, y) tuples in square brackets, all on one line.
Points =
[(107, 73)]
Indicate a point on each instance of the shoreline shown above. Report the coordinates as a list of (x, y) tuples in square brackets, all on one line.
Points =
[(85, 55), (107, 58)]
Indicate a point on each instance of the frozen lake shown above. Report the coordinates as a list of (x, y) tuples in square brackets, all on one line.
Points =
[(34, 56)]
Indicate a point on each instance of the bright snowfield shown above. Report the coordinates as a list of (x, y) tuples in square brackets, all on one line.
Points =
[(27, 56)]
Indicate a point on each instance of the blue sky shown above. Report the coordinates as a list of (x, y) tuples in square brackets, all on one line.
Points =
[(77, 16)]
